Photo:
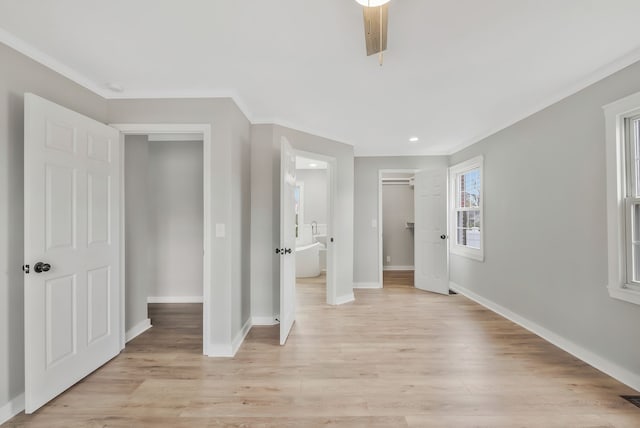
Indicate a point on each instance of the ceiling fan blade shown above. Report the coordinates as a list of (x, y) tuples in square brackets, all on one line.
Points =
[(375, 28)]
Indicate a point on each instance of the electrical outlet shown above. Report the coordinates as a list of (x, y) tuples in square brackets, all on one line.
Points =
[(388, 259)]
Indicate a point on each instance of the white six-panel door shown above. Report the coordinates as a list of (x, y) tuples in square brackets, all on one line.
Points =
[(430, 239), (287, 240), (71, 195)]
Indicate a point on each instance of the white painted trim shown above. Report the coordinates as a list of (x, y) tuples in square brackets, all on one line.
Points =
[(70, 73), (263, 321), (40, 57), (175, 299), (616, 164), (239, 339), (229, 350), (347, 298), (367, 285), (604, 365), (454, 171), (12, 408), (138, 329), (207, 265), (174, 137), (392, 268), (603, 72)]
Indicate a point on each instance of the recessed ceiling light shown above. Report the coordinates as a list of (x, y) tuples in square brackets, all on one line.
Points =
[(372, 3), (414, 139), (115, 87), (313, 165)]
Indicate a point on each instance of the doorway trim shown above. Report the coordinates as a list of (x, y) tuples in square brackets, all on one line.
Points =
[(207, 268), (380, 217), (332, 182)]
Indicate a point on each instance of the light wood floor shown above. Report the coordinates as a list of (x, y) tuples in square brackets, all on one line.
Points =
[(396, 357)]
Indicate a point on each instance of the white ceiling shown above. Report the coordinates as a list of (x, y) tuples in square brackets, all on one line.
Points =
[(455, 71), (306, 163)]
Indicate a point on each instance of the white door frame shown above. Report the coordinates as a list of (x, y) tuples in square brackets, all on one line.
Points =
[(380, 224), (207, 268), (332, 174)]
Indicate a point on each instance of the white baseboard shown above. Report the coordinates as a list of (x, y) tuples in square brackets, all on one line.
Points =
[(260, 321), (228, 350), (237, 341), (12, 408), (604, 365), (367, 285), (398, 268), (341, 300), (174, 299), (137, 330)]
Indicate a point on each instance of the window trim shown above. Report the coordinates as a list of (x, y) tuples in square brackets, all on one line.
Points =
[(616, 113), (454, 171)]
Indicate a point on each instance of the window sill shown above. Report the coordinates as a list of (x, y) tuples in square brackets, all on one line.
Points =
[(625, 294), (476, 255)]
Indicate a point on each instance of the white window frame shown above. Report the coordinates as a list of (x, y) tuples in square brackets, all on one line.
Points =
[(618, 203), (454, 172)]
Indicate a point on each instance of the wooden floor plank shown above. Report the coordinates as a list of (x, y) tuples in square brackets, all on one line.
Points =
[(396, 357)]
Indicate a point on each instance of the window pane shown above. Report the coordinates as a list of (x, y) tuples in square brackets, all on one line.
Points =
[(468, 228), (469, 189)]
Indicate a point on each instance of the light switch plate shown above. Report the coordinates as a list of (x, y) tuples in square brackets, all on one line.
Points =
[(220, 230)]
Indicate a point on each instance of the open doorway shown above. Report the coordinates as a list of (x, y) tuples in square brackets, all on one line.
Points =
[(396, 211), (165, 239), (311, 204)]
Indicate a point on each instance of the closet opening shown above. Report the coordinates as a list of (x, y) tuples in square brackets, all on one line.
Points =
[(396, 220), (165, 243)]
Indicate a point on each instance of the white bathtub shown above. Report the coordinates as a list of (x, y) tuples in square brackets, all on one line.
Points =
[(308, 260)]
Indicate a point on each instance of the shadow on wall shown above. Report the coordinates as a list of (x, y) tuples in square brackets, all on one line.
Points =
[(15, 246)]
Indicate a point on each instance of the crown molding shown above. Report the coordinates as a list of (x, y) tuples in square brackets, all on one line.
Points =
[(600, 74), (37, 55), (294, 127), (42, 58)]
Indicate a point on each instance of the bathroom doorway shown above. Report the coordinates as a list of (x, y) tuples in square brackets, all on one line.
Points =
[(396, 220), (313, 204)]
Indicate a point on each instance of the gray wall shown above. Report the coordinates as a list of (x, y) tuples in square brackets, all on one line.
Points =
[(138, 243), (366, 255), (397, 210), (315, 194), (18, 75), (175, 218), (265, 213), (230, 166), (545, 224)]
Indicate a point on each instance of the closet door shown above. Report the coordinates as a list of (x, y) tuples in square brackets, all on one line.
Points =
[(431, 253)]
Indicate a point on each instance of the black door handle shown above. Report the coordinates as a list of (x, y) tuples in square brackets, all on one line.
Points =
[(287, 250), (42, 267), (278, 251), (443, 236)]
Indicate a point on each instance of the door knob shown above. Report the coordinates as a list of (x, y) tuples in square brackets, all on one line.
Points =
[(41, 267), (443, 236)]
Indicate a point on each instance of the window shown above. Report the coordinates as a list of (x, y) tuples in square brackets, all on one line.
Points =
[(466, 198), (623, 197)]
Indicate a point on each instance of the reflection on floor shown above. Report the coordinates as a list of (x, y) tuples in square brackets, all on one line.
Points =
[(396, 357)]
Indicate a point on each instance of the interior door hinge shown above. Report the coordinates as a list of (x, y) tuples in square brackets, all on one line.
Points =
[(25, 268)]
